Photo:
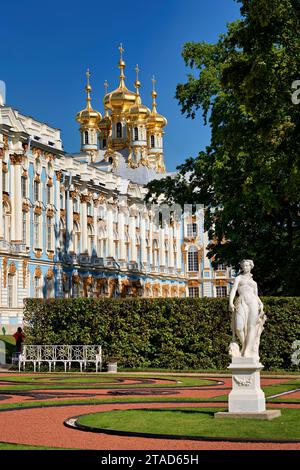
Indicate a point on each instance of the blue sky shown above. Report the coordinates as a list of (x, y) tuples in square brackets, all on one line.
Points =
[(46, 48)]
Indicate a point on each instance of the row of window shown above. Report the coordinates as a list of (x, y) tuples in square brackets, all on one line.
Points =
[(221, 291)]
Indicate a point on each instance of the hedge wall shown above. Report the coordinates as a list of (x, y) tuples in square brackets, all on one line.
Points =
[(161, 333)]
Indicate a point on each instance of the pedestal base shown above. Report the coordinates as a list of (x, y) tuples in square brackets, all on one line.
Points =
[(246, 395), (265, 415)]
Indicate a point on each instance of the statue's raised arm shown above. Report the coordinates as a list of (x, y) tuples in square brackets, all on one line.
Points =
[(248, 315)]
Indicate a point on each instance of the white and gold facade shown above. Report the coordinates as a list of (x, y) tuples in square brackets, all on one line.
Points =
[(77, 225)]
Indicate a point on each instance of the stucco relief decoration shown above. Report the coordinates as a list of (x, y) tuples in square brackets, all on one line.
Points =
[(12, 268), (50, 274)]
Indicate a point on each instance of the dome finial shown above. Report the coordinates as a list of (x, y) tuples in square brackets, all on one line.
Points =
[(121, 67), (88, 89), (106, 91), (137, 84), (154, 95)]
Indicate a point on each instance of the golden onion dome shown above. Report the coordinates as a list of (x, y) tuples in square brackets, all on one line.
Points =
[(105, 123), (121, 99), (155, 119), (88, 117), (138, 112)]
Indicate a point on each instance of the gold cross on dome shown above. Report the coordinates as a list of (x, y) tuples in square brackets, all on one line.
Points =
[(153, 82), (88, 74), (121, 50), (137, 72), (106, 86)]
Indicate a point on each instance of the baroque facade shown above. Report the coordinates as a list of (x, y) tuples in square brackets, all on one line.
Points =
[(77, 225)]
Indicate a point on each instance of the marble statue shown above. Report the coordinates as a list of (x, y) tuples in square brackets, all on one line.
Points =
[(248, 316)]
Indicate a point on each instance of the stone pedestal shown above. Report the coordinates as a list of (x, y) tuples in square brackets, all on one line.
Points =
[(246, 399), (246, 394)]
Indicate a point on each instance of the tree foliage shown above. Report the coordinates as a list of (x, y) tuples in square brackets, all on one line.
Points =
[(249, 176)]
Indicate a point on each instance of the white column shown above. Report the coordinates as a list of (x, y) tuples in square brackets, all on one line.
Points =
[(171, 247), (83, 225), (132, 235), (162, 255), (18, 200), (110, 232), (121, 230), (151, 239), (95, 215), (57, 204), (69, 206), (143, 237), (178, 246), (1, 199)]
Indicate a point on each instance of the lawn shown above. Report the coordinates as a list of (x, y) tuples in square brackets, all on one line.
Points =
[(195, 422)]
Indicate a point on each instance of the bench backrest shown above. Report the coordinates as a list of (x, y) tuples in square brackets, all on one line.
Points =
[(61, 352)]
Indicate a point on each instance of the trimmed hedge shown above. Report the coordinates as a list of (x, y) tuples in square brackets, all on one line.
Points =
[(161, 333)]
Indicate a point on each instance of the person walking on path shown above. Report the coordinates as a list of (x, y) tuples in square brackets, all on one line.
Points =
[(19, 337)]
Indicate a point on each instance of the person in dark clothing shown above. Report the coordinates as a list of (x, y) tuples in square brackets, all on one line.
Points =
[(19, 337)]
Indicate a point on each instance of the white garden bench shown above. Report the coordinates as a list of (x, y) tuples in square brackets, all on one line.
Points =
[(67, 354)]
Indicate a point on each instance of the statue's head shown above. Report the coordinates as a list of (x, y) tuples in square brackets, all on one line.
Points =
[(246, 265)]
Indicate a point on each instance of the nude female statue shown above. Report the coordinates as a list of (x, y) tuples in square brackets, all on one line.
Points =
[(248, 315)]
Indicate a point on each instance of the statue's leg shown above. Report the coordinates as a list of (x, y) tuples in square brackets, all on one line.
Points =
[(239, 325), (252, 331)]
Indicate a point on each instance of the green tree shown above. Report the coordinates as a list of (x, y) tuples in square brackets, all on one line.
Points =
[(249, 176)]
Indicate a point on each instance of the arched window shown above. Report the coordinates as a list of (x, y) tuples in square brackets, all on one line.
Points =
[(36, 230), (76, 237), (49, 233), (119, 130), (37, 287), (36, 191), (86, 138), (90, 239), (152, 141), (11, 297), (193, 259), (6, 222), (49, 288), (62, 234), (136, 133), (155, 253)]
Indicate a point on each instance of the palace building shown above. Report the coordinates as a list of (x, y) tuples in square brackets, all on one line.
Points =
[(76, 225)]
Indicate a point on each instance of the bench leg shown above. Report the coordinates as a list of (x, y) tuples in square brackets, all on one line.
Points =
[(80, 366), (34, 366), (65, 364)]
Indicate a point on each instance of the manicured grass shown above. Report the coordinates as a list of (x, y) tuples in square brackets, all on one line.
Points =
[(96, 381), (194, 422), (8, 446), (10, 343)]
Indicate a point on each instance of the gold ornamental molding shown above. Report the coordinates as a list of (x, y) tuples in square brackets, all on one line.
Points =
[(5, 140), (12, 269), (16, 159), (90, 219), (50, 274), (4, 167), (37, 178), (50, 156), (58, 175), (50, 212), (24, 269), (1, 153), (76, 279), (25, 174), (38, 210), (38, 252), (37, 272), (73, 194), (87, 281), (220, 282), (50, 254), (6, 198), (76, 217), (36, 152), (62, 213), (50, 182), (85, 198)]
